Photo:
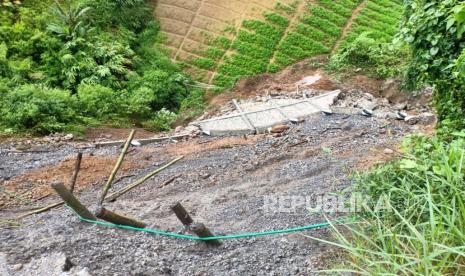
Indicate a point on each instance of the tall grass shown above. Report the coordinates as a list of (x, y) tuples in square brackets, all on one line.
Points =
[(422, 230)]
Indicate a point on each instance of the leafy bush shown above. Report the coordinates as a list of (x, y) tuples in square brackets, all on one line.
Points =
[(436, 34), (377, 59), (166, 90), (37, 109), (98, 101), (162, 120)]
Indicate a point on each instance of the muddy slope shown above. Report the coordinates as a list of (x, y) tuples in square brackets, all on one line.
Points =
[(223, 182)]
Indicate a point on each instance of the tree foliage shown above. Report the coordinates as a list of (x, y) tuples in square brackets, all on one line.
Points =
[(101, 53), (435, 30)]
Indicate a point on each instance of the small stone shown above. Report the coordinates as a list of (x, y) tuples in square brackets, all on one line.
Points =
[(412, 120), (68, 137), (279, 128), (17, 267), (136, 143), (206, 175), (388, 151)]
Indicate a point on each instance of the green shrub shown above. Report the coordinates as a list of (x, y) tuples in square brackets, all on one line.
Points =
[(322, 24), (161, 121), (377, 59), (328, 15), (98, 101), (32, 108), (277, 19), (192, 106), (335, 7), (435, 33), (166, 90)]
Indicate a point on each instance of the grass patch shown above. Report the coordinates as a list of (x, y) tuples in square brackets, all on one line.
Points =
[(422, 230)]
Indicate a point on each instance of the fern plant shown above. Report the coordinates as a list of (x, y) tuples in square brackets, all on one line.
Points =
[(70, 20)]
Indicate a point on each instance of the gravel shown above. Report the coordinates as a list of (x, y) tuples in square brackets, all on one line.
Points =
[(224, 188)]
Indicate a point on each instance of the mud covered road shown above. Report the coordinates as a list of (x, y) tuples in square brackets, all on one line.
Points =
[(223, 182)]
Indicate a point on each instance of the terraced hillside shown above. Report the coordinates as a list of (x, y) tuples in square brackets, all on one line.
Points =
[(219, 41)]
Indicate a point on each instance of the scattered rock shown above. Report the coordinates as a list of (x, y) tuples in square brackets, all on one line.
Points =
[(68, 137), (191, 130), (205, 175), (17, 267), (279, 128), (400, 106), (412, 120), (388, 151), (424, 119)]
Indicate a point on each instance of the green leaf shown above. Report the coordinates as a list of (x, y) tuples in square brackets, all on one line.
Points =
[(450, 22), (408, 164)]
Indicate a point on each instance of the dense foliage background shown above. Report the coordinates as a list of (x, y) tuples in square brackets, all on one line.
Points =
[(435, 32), (73, 62)]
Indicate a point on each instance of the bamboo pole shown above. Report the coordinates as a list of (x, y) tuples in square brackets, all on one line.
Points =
[(41, 210), (118, 219), (115, 195), (202, 231), (117, 166), (72, 201), (182, 214), (77, 167)]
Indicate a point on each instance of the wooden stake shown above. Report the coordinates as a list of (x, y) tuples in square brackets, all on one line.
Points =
[(77, 167), (182, 214), (202, 231), (115, 218), (117, 166), (72, 201), (115, 195)]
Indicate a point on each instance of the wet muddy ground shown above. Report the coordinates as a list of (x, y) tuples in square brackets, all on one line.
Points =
[(223, 182)]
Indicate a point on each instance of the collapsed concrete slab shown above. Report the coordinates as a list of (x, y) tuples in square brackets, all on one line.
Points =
[(258, 119)]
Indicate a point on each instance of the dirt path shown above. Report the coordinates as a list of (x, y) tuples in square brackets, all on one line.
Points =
[(348, 27)]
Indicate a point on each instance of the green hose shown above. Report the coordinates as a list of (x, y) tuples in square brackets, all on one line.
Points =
[(237, 236)]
